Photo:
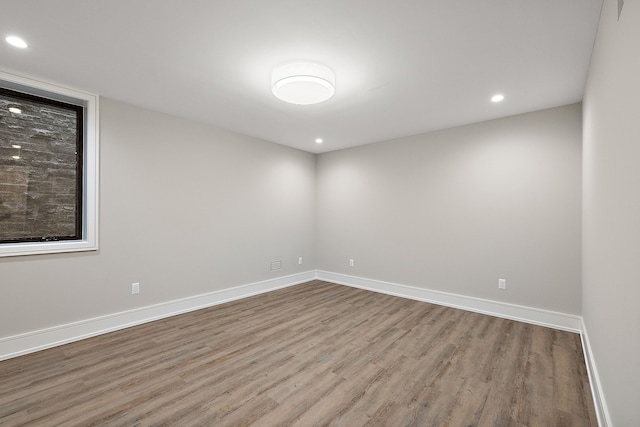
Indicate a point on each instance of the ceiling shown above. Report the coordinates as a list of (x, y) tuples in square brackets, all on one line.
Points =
[(402, 67)]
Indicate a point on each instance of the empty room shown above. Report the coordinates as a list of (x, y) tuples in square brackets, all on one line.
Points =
[(306, 213)]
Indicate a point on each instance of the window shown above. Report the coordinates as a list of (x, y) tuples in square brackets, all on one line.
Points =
[(48, 168)]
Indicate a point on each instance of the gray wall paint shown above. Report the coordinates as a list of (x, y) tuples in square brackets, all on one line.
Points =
[(611, 212), (185, 209), (457, 209)]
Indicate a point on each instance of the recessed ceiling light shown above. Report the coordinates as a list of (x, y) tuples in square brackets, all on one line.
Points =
[(16, 146), (16, 157), (303, 83), (318, 140), (17, 42), (15, 110), (497, 98)]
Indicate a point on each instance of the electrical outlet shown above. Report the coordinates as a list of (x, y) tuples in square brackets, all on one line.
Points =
[(502, 284), (300, 261), (351, 263), (135, 288)]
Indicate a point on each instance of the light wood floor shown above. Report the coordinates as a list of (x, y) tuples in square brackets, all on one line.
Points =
[(313, 354)]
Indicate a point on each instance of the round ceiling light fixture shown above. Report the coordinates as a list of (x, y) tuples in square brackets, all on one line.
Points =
[(303, 83), (17, 42)]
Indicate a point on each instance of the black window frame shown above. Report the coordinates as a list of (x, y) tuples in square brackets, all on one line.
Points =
[(79, 137)]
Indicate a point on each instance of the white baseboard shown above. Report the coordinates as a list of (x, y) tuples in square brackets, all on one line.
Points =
[(602, 412), (536, 316), (57, 335), (30, 342)]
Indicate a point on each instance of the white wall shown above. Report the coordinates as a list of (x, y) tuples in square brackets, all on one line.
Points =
[(611, 211), (457, 209), (185, 209)]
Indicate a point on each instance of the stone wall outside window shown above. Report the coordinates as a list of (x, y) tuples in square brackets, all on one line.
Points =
[(40, 169)]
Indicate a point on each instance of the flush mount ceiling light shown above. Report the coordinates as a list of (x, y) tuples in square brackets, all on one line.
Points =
[(17, 42), (497, 98), (303, 83)]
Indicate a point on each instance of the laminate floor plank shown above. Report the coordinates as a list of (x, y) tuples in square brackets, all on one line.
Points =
[(315, 354)]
